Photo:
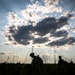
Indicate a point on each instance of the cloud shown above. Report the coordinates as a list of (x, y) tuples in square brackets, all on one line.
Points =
[(2, 53), (62, 33), (40, 40), (50, 25), (40, 9), (51, 2), (63, 41), (36, 20), (23, 34)]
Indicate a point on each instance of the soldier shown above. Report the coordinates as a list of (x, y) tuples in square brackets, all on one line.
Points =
[(61, 66), (36, 64), (61, 61), (36, 59)]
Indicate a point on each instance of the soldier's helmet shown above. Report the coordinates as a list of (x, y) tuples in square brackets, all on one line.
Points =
[(32, 55), (60, 57)]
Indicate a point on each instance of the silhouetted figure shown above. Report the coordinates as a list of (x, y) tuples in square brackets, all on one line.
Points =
[(36, 59), (36, 64), (61, 66), (71, 62), (61, 61)]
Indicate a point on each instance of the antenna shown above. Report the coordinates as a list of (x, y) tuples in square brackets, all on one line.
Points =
[(54, 56), (13, 53), (32, 48), (50, 54), (7, 59)]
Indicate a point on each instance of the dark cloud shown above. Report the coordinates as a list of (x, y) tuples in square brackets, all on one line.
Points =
[(23, 34), (40, 40), (62, 33), (2, 53), (63, 41), (9, 38), (12, 29), (50, 25), (45, 26)]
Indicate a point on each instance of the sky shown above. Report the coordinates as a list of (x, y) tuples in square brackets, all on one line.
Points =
[(47, 26)]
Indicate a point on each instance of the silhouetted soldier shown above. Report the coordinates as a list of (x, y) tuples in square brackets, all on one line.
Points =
[(71, 62), (61, 66), (36, 64), (36, 59), (61, 61)]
